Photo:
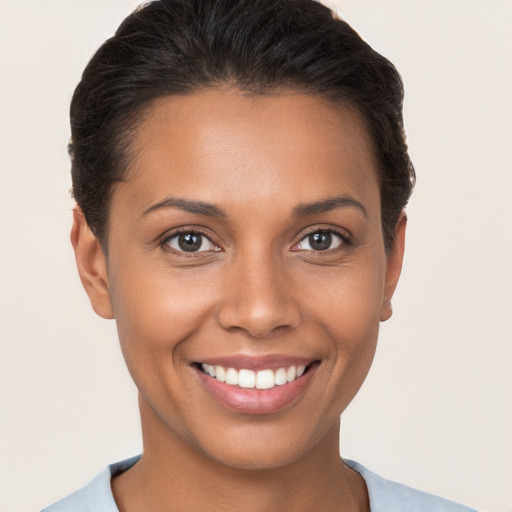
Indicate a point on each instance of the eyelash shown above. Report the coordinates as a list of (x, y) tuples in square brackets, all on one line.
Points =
[(344, 240), (184, 231)]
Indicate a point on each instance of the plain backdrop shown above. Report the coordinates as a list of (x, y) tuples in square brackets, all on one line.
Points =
[(436, 410)]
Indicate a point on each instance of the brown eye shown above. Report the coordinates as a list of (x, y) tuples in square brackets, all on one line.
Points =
[(190, 242), (321, 240)]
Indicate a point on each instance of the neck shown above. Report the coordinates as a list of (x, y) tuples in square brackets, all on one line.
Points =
[(172, 475)]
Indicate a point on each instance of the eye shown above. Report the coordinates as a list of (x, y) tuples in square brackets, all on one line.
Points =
[(190, 241), (321, 240)]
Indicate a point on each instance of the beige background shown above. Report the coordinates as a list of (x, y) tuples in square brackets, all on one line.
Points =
[(435, 413)]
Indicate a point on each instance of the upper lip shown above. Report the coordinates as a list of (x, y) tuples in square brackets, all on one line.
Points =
[(244, 361)]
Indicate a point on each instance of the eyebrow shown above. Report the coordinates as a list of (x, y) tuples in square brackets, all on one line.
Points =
[(196, 207), (301, 210), (325, 205)]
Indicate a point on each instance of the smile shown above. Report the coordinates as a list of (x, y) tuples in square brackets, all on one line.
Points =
[(250, 379), (256, 385)]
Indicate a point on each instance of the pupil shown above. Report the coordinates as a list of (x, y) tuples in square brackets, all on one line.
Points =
[(320, 241), (190, 242)]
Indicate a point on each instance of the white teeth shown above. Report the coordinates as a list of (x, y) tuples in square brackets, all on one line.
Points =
[(246, 379), (265, 379), (220, 373), (249, 379), (291, 373), (209, 369), (232, 377), (280, 377)]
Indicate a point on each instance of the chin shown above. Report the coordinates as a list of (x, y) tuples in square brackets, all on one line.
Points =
[(257, 457), (266, 446)]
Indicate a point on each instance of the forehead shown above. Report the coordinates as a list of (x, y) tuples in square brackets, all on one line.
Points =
[(225, 146)]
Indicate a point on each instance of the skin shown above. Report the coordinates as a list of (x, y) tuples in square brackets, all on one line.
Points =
[(257, 289)]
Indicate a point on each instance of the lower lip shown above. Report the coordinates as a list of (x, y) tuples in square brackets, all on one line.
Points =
[(256, 401)]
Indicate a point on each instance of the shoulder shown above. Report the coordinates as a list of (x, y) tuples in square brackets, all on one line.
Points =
[(97, 495), (386, 495)]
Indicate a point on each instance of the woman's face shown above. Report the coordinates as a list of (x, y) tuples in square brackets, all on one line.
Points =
[(247, 242)]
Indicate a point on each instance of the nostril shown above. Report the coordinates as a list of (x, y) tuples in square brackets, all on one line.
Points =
[(258, 320)]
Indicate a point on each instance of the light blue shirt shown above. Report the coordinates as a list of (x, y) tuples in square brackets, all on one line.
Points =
[(385, 495)]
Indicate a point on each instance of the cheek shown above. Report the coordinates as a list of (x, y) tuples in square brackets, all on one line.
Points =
[(347, 308), (347, 302), (157, 312), (157, 308)]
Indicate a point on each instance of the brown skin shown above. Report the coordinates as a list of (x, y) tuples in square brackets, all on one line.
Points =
[(257, 289)]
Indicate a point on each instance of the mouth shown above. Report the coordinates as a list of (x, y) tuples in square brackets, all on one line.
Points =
[(256, 387), (255, 379)]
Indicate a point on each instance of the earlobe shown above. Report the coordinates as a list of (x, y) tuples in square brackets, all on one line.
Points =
[(394, 267), (91, 264)]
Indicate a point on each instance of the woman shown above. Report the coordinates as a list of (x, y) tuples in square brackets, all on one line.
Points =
[(241, 172)]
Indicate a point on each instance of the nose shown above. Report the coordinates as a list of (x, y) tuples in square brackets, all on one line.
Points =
[(259, 299)]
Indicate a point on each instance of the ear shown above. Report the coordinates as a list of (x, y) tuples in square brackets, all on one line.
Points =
[(394, 267), (91, 264)]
